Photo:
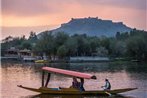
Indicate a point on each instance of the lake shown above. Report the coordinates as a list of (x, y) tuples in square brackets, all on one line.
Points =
[(120, 74)]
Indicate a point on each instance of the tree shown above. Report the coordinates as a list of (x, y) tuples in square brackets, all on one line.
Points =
[(9, 42), (94, 43), (33, 37), (62, 51), (117, 35), (26, 45), (120, 48), (83, 46), (60, 38), (7, 39), (137, 47), (45, 44), (102, 51), (105, 42), (71, 44)]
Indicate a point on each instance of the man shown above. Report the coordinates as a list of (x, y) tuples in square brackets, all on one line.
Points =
[(82, 85), (75, 83), (78, 85), (107, 85)]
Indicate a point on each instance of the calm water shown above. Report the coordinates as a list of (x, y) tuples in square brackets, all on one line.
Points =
[(121, 75)]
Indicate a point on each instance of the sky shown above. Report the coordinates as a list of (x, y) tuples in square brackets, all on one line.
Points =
[(19, 17)]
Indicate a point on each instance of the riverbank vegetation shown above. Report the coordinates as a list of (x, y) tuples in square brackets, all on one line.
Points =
[(131, 45)]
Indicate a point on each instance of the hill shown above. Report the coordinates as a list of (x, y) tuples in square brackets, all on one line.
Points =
[(92, 27)]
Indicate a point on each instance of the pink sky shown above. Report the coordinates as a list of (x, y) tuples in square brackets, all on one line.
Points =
[(49, 14)]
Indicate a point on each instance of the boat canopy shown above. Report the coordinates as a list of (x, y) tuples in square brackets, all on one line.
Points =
[(69, 73)]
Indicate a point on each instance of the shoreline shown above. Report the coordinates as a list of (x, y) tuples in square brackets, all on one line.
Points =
[(67, 61)]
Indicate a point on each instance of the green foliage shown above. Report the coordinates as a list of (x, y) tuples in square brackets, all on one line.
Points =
[(122, 36), (9, 42), (25, 45), (62, 51), (125, 44), (94, 43), (71, 45), (82, 46), (137, 47), (102, 51), (60, 38), (33, 37), (45, 44), (105, 42)]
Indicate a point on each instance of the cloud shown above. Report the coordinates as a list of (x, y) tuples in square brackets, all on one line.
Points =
[(40, 7), (28, 7), (133, 4), (50, 12)]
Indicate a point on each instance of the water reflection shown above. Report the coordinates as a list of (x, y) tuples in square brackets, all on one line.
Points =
[(75, 96), (121, 75)]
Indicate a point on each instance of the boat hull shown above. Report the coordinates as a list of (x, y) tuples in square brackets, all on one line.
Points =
[(72, 91)]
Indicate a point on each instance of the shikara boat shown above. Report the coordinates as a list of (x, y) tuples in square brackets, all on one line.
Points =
[(71, 91)]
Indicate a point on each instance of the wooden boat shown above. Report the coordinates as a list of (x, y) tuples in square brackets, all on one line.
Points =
[(72, 91), (41, 61), (76, 96)]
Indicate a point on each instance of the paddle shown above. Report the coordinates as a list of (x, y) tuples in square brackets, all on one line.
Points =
[(108, 93)]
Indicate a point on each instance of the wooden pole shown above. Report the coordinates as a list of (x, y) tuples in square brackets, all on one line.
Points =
[(48, 78), (43, 73)]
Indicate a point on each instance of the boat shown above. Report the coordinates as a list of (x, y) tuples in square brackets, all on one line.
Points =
[(75, 96), (41, 61), (71, 91)]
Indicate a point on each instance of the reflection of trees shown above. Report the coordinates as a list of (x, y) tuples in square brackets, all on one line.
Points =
[(88, 67), (137, 68), (97, 67)]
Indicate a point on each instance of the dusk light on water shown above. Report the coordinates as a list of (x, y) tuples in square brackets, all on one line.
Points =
[(73, 49)]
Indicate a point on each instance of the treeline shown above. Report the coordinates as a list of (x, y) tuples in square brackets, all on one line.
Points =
[(131, 44)]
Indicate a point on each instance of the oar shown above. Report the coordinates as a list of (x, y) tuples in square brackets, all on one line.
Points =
[(108, 93)]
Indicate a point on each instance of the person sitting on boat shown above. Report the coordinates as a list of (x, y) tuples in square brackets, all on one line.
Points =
[(81, 85), (78, 85), (75, 83), (107, 85)]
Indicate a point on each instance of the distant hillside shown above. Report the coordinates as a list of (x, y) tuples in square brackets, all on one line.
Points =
[(92, 27)]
